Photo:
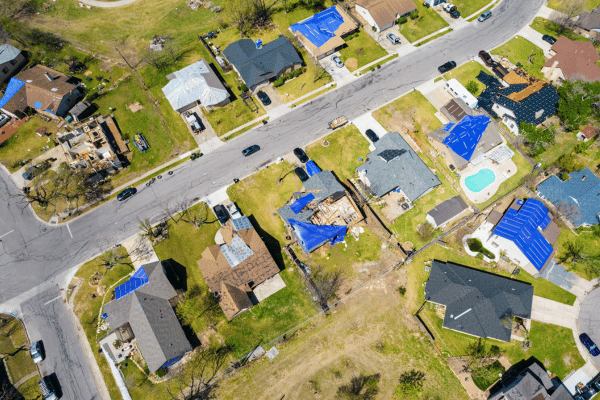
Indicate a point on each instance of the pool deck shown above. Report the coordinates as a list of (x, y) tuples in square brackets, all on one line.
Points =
[(502, 173)]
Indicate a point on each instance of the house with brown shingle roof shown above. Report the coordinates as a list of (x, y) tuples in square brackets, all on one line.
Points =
[(235, 267), (49, 92), (572, 60), (383, 14)]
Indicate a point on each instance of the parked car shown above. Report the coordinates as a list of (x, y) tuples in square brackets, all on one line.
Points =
[(37, 351), (455, 14), (301, 155), (393, 38), (35, 170), (221, 213), (250, 150), (47, 388), (233, 211), (447, 67), (426, 4), (596, 385), (589, 344), (372, 135), (549, 39), (301, 174), (337, 61), (484, 16), (485, 57), (126, 194), (449, 7), (263, 97)]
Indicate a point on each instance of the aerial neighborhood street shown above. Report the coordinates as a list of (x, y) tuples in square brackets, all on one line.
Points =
[(352, 199)]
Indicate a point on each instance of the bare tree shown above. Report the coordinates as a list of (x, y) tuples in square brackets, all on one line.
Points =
[(146, 228), (155, 58), (187, 214), (570, 211), (8, 392), (567, 10), (239, 12), (425, 230), (530, 180), (112, 258), (327, 283), (173, 49)]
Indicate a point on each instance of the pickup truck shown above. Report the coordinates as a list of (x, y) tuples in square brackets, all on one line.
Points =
[(193, 121), (339, 121), (233, 211)]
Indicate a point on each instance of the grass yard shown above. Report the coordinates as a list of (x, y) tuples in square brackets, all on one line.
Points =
[(319, 93), (589, 4), (88, 302), (433, 38), (30, 389), (589, 243), (546, 27), (297, 10), (25, 144), (260, 196), (468, 7), (305, 83), (346, 146), (485, 376), (363, 48), (563, 143), (520, 50), (429, 21), (13, 342), (467, 73)]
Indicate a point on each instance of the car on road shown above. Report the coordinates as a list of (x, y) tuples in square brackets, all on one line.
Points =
[(447, 67), (371, 135), (47, 388), (126, 194), (301, 174), (549, 39), (484, 16), (337, 61), (37, 352), (221, 213), (393, 38), (449, 7), (589, 344), (301, 155), (486, 57), (455, 14), (250, 150), (263, 97)]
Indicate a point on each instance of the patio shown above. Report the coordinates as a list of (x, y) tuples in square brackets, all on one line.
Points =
[(501, 172)]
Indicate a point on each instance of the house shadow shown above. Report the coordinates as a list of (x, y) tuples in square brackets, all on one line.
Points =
[(176, 274), (232, 96), (191, 336), (272, 244), (6, 387), (513, 371)]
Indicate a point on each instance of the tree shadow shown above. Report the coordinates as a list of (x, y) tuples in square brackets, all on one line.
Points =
[(272, 244), (176, 274), (6, 388)]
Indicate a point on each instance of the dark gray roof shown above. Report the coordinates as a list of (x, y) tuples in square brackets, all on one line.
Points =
[(477, 301), (8, 53), (447, 210), (152, 319), (79, 108), (589, 20), (532, 383), (257, 65), (407, 171)]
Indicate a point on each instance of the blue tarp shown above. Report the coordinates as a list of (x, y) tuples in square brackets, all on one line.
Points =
[(319, 28), (465, 135), (311, 168), (13, 87), (522, 228), (302, 202), (448, 127), (37, 104), (312, 236), (136, 281)]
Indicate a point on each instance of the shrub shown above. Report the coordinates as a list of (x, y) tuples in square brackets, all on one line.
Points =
[(475, 245), (298, 72), (359, 51), (243, 87), (278, 82), (402, 20), (472, 87), (288, 76), (161, 373), (414, 15), (564, 176), (569, 162), (402, 290)]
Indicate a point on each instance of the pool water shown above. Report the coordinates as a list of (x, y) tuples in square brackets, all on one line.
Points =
[(481, 180)]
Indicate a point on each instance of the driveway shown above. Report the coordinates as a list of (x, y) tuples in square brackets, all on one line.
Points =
[(455, 24), (589, 322), (366, 121), (553, 312), (536, 38), (380, 37), (558, 275), (340, 75)]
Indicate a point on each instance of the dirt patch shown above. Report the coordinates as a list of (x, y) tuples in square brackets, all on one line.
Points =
[(105, 66), (457, 366), (351, 63), (440, 190), (135, 107)]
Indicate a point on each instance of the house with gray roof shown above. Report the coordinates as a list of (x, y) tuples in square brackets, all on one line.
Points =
[(478, 303), (589, 20), (195, 84), (446, 211), (394, 165), (258, 64), (581, 191), (533, 383), (142, 307), (11, 60)]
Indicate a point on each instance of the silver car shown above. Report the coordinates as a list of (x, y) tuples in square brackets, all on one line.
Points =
[(337, 61), (393, 38), (484, 16)]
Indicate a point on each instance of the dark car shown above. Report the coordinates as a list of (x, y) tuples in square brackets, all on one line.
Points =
[(589, 344), (263, 97), (455, 14), (126, 194), (302, 156), (301, 174), (221, 213), (447, 67), (47, 388), (37, 351), (484, 16), (486, 57), (250, 150), (549, 39), (36, 170), (372, 135)]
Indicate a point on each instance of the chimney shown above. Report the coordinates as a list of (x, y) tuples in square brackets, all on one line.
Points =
[(551, 70), (50, 78), (583, 178)]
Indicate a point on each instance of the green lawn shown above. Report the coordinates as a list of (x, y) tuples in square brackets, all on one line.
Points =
[(484, 377), (309, 98), (546, 27), (14, 342), (25, 144), (563, 143), (466, 73), (346, 146), (589, 4), (30, 389), (519, 50), (305, 83), (589, 243), (468, 7), (363, 48), (297, 11), (429, 21)]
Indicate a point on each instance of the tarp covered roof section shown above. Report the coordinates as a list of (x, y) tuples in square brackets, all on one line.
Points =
[(465, 135), (14, 85), (302, 202), (312, 168), (321, 27), (138, 279), (312, 236)]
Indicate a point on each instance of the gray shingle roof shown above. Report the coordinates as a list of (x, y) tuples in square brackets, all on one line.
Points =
[(257, 65), (531, 382), (407, 172), (151, 317), (477, 301), (447, 210), (8, 53)]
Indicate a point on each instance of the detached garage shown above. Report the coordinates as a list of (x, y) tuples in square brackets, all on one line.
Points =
[(383, 14)]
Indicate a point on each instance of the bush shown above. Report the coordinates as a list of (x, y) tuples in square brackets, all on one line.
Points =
[(243, 87), (278, 82), (414, 15), (161, 373), (570, 162), (402, 20), (564, 176), (297, 72), (402, 290), (472, 87), (476, 246), (288, 76)]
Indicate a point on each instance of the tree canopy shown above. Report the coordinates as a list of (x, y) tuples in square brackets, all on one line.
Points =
[(536, 138), (578, 103)]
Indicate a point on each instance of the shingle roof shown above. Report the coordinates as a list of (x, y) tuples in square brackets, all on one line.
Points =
[(447, 210), (476, 301), (529, 383), (384, 11), (578, 191), (257, 65), (8, 53), (589, 131), (589, 19), (576, 59), (407, 172), (233, 300), (151, 317)]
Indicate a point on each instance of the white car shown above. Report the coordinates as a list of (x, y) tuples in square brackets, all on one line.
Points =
[(448, 7), (233, 211), (37, 353), (337, 61)]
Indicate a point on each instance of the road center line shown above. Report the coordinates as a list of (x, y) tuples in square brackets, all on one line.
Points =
[(56, 298), (69, 229), (6, 233)]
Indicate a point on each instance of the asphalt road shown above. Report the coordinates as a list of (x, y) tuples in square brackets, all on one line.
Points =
[(588, 320), (35, 257)]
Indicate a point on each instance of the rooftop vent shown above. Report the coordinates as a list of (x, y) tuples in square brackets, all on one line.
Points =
[(48, 76), (54, 89), (258, 43), (583, 178)]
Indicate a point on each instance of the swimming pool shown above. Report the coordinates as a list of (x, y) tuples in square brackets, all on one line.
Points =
[(481, 180)]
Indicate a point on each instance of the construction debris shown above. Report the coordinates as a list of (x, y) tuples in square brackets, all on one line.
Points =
[(158, 42), (195, 4)]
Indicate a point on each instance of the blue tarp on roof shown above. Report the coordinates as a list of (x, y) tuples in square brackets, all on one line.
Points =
[(302, 202), (312, 236), (138, 279), (311, 168), (37, 104), (465, 135), (319, 28), (448, 127), (522, 228), (13, 87)]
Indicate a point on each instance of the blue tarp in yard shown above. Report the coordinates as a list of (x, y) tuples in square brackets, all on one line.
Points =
[(13, 87), (312, 236), (465, 135), (321, 27), (302, 202), (311, 168)]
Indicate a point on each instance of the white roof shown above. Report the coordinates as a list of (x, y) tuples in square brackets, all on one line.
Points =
[(461, 92), (192, 83)]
